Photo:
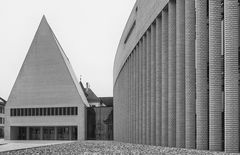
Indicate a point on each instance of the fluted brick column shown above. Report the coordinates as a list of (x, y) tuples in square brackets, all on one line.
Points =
[(165, 77), (148, 87), (140, 92), (180, 73), (144, 81), (128, 99), (202, 74), (131, 98), (125, 102), (231, 21), (172, 73), (190, 78), (215, 77), (158, 80), (137, 95), (153, 84), (134, 96)]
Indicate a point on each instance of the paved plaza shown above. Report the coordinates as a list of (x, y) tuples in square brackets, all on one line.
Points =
[(92, 147)]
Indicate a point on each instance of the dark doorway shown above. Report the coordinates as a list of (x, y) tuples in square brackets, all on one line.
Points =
[(22, 133), (34, 133), (48, 133), (100, 123)]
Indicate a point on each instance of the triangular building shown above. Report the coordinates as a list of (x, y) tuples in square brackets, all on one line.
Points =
[(46, 101)]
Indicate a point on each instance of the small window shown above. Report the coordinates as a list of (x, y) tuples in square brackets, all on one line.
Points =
[(18, 112), (25, 111), (48, 111), (44, 111), (64, 111), (41, 111), (60, 111), (52, 111), (33, 112), (75, 111), (11, 112), (56, 111), (72, 110), (37, 111), (14, 112), (68, 110), (29, 112), (22, 112)]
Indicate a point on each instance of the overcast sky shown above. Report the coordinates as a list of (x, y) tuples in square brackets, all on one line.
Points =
[(88, 31)]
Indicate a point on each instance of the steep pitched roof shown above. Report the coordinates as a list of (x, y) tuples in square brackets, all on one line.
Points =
[(108, 101), (91, 96), (2, 101), (46, 76)]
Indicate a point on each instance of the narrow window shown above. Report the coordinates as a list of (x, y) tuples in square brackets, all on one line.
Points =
[(41, 111), (25, 112), (22, 111), (60, 111), (64, 110), (76, 111), (68, 110), (44, 111), (52, 111), (48, 111), (18, 112), (29, 112), (56, 111), (15, 112), (33, 111), (11, 112)]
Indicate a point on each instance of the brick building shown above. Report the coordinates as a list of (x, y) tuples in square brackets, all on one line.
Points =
[(176, 75)]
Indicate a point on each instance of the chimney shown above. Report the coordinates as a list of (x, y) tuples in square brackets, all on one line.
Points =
[(87, 86)]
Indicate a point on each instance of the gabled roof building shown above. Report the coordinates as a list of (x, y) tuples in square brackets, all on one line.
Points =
[(46, 101)]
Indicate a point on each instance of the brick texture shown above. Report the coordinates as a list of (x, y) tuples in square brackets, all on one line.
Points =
[(158, 80), (180, 73), (140, 91), (144, 83), (190, 78), (202, 74), (172, 73), (231, 20), (148, 87), (215, 77), (153, 84), (164, 77)]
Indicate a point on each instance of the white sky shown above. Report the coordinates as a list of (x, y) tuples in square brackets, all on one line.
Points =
[(88, 31)]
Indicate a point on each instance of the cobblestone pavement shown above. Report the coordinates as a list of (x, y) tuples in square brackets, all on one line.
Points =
[(104, 147)]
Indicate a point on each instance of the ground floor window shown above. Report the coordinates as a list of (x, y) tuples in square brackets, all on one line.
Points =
[(44, 133), (34, 133), (48, 133), (63, 133)]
